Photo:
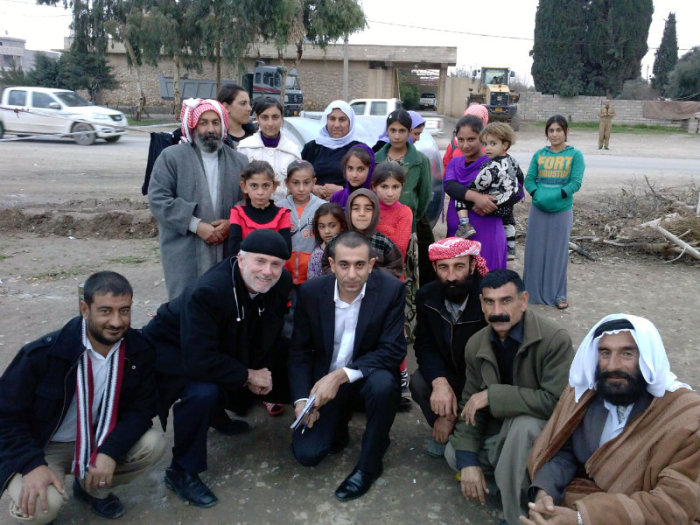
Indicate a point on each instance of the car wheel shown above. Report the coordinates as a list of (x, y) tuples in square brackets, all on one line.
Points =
[(112, 140), (2, 130), (83, 139)]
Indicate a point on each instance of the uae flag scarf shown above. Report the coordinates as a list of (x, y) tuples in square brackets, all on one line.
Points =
[(89, 439)]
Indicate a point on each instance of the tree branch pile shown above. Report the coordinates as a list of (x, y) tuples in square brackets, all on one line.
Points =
[(646, 219)]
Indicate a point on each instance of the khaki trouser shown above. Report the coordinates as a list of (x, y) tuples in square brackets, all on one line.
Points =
[(505, 455), (604, 132), (59, 457)]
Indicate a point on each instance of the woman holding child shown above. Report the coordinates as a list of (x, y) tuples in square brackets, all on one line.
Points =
[(461, 171)]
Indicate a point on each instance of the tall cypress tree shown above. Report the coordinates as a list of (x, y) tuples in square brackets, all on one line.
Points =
[(557, 54), (666, 56), (589, 47)]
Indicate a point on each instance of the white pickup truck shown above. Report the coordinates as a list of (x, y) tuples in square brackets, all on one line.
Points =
[(47, 111)]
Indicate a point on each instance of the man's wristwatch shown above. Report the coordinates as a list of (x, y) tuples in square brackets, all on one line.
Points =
[(579, 519)]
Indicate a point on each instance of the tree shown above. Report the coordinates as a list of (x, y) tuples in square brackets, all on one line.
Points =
[(14, 76), (666, 56), (85, 65), (320, 22), (46, 71), (560, 28), (174, 25), (589, 47), (684, 80)]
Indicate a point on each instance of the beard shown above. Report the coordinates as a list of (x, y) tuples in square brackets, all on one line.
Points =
[(620, 395), (101, 336), (457, 291), (209, 142)]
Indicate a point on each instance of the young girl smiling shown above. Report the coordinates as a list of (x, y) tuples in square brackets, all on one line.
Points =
[(257, 183), (329, 221)]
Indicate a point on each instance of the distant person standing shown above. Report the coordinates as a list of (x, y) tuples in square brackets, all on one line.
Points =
[(606, 113)]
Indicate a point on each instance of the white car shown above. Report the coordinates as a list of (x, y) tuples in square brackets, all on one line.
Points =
[(47, 111)]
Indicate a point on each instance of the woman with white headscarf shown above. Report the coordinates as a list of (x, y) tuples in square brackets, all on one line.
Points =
[(326, 152)]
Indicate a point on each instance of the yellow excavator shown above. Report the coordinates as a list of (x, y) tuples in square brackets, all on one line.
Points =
[(494, 93)]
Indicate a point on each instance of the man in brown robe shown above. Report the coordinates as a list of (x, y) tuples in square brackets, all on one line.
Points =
[(623, 443), (606, 113)]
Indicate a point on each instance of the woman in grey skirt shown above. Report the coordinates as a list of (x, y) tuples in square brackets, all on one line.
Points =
[(555, 174)]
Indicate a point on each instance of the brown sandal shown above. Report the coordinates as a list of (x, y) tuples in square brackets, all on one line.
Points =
[(562, 304)]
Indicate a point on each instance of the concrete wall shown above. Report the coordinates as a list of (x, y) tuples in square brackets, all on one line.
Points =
[(536, 106), (454, 96)]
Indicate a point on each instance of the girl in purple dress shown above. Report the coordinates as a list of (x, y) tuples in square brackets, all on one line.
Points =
[(460, 172)]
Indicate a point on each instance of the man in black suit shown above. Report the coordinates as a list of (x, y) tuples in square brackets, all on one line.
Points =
[(217, 346), (346, 350)]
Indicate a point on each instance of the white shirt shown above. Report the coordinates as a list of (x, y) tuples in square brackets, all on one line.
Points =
[(613, 424), (69, 427), (346, 315), (211, 172)]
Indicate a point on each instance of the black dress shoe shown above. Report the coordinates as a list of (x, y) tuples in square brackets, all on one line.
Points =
[(229, 427), (356, 484), (109, 507), (405, 404), (189, 488)]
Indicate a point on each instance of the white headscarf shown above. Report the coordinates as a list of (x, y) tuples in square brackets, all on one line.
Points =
[(324, 138), (653, 360)]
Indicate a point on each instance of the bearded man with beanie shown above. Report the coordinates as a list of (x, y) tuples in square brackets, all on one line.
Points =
[(516, 368), (218, 348), (193, 187), (448, 313)]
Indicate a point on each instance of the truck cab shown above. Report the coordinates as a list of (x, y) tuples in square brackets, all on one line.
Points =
[(266, 81), (494, 93)]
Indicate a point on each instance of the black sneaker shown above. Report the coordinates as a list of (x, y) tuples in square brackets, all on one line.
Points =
[(109, 507)]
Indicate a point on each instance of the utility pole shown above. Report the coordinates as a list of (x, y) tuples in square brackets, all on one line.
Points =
[(345, 68)]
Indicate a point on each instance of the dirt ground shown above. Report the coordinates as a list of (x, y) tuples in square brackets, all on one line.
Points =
[(67, 211)]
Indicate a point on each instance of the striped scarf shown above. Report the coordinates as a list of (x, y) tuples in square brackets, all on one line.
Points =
[(88, 440)]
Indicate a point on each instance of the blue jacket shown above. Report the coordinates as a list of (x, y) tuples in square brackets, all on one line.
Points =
[(37, 388)]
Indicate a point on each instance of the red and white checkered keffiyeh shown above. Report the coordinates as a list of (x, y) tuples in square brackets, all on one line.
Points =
[(457, 247), (192, 109)]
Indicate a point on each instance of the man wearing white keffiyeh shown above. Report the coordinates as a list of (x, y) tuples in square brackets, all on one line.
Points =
[(79, 401), (623, 443)]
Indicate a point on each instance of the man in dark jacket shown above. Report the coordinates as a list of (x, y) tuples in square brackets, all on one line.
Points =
[(79, 400), (346, 350), (217, 345), (448, 313)]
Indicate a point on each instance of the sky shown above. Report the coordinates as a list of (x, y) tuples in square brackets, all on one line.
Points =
[(483, 35)]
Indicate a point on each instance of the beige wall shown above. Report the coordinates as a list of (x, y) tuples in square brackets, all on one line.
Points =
[(455, 95)]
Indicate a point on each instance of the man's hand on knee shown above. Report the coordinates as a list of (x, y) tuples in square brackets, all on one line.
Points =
[(443, 401), (327, 387), (34, 484), (100, 474), (259, 381), (442, 428), (473, 484)]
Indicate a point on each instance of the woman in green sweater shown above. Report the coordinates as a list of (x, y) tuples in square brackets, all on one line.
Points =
[(555, 174)]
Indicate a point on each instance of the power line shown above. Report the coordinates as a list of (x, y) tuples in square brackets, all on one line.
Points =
[(469, 33)]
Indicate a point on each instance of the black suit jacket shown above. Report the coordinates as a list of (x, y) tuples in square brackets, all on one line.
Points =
[(379, 339), (204, 334)]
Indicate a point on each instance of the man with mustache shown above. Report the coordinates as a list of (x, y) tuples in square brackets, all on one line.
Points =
[(448, 313), (218, 347), (79, 400), (516, 369), (623, 443), (192, 189)]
